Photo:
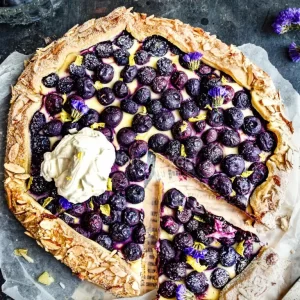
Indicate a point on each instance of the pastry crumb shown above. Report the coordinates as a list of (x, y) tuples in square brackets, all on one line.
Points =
[(45, 278), (23, 253)]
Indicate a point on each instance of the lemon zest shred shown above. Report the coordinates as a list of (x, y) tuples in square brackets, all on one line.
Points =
[(109, 184), (198, 219), (246, 174), (97, 125), (182, 151), (184, 126), (224, 80), (69, 178), (131, 60), (180, 208), (80, 155), (105, 209), (29, 182), (240, 248), (47, 201), (64, 96), (200, 117), (98, 85), (208, 107), (199, 246)]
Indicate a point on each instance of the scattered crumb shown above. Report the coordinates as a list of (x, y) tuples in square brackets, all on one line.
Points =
[(283, 223), (23, 253), (45, 278), (62, 285), (292, 251)]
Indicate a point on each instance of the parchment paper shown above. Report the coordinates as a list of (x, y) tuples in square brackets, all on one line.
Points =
[(21, 276)]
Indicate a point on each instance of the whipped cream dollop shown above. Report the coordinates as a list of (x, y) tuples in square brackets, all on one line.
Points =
[(80, 165)]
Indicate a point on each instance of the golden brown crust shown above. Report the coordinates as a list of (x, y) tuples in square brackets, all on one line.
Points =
[(26, 99)]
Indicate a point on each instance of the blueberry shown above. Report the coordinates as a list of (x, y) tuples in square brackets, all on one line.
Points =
[(233, 165), (137, 170), (204, 69), (205, 169), (129, 73), (114, 217), (183, 216), (203, 100), (166, 251), (105, 241), (239, 201), (135, 194), (164, 120), (92, 222), (53, 104), (53, 128), (117, 202), (252, 125), (193, 145), (181, 130), (142, 96), (141, 57), (260, 173), (241, 264), (209, 82), (138, 234), (138, 149), (189, 109), (129, 106), (212, 152), (67, 105), (105, 73), (65, 85), (105, 96), (199, 126), (192, 87), (81, 231), (201, 237), (219, 278), (85, 87), (69, 127), (173, 149), (185, 165), (104, 49), (132, 251), (141, 123), (249, 151), (102, 199), (227, 256), (121, 57), (171, 99), (215, 117), (39, 145), (230, 93), (131, 216), (119, 232), (37, 122), (241, 185), (146, 75), (39, 185), (192, 203), (167, 289), (179, 79), (211, 258), (90, 61), (77, 71), (175, 270), (197, 282), (120, 89), (175, 50), (121, 158), (168, 224), (230, 138), (234, 117), (266, 141), (52, 206), (173, 198), (156, 45), (119, 181), (50, 80), (89, 118), (241, 100), (111, 116), (124, 41), (191, 226), (154, 106), (227, 241), (210, 135), (159, 84), (164, 66), (158, 142), (107, 132), (221, 184)]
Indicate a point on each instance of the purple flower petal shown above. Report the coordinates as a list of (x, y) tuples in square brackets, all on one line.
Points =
[(195, 253), (286, 20), (294, 52), (180, 292), (192, 56), (64, 203)]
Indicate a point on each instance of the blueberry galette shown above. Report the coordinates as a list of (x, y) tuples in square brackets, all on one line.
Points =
[(85, 113)]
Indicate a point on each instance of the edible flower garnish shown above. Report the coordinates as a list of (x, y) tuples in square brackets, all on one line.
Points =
[(208, 107), (64, 116), (109, 184), (131, 61), (23, 253), (191, 251), (91, 204), (64, 203), (105, 209), (143, 110), (78, 60), (294, 52), (219, 232), (246, 174), (198, 219), (182, 293), (287, 20), (200, 117), (240, 248), (29, 182), (199, 246), (97, 125), (195, 264), (193, 60), (182, 151), (98, 85), (217, 93), (46, 279), (184, 126), (47, 201), (78, 109), (180, 208)]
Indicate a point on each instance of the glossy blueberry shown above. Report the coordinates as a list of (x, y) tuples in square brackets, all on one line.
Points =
[(138, 234), (227, 256), (192, 87), (249, 151), (142, 96), (83, 232), (102, 199), (164, 120), (241, 100), (230, 138), (39, 185), (211, 258), (135, 194), (37, 122), (114, 217), (119, 181), (50, 80), (189, 109), (239, 201), (181, 130), (67, 104), (173, 149), (212, 152), (175, 50), (107, 132), (154, 106), (131, 216), (193, 145), (85, 87), (197, 282), (199, 126), (266, 141), (105, 241), (121, 57), (221, 184), (132, 251), (210, 135), (119, 232), (201, 237), (141, 57), (219, 278), (129, 106), (156, 45), (166, 251), (171, 99), (146, 75), (121, 158), (164, 66), (173, 198), (233, 165), (159, 84), (105, 73), (204, 69), (241, 185), (69, 127), (138, 149), (137, 170), (105, 96), (260, 173), (125, 41), (241, 264), (252, 125), (205, 169), (167, 289), (230, 93), (111, 116), (92, 222), (77, 71), (175, 270), (53, 104), (117, 202), (89, 119), (104, 49), (90, 61), (209, 82), (39, 144), (191, 226), (65, 85), (168, 224), (120, 89), (192, 203), (203, 100), (215, 117), (179, 79), (141, 123), (234, 117), (183, 216), (53, 128), (129, 73), (185, 164)]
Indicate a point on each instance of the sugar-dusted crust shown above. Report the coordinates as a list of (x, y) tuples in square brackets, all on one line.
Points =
[(26, 99)]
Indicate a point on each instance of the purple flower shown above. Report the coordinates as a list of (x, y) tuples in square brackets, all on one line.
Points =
[(286, 20), (78, 109), (182, 293), (217, 93), (220, 233), (193, 60), (195, 253), (294, 52), (64, 203)]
